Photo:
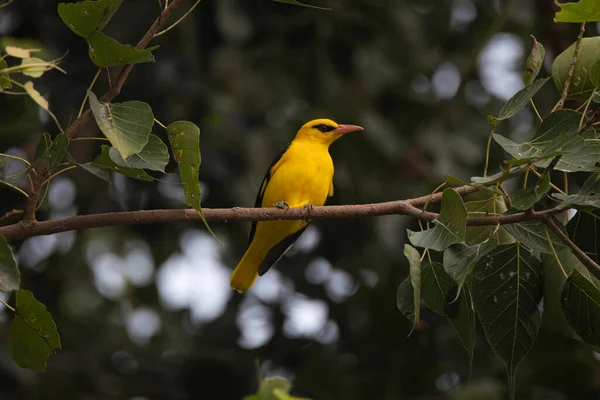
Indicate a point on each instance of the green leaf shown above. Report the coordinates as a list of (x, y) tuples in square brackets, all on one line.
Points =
[(534, 62), (7, 176), (554, 281), (33, 336), (276, 388), (580, 303), (42, 146), (99, 166), (525, 198), (10, 277), (414, 260), (56, 151), (460, 259), (533, 235), (405, 299), (107, 52), (586, 75), (4, 78), (486, 180), (582, 11), (154, 156), (584, 231), (450, 226), (184, 137), (506, 290), (297, 3), (520, 99), (34, 67), (438, 292), (85, 17), (588, 196), (486, 202), (557, 135), (127, 125), (452, 180)]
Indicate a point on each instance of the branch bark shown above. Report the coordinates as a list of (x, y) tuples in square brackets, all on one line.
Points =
[(40, 168), (408, 207), (590, 264)]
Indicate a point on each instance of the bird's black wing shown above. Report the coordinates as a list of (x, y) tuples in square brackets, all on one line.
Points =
[(278, 251), (263, 187)]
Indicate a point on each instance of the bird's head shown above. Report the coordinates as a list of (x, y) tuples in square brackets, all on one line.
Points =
[(324, 131)]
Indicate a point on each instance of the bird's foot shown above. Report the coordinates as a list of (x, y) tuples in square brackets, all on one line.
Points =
[(309, 209), (283, 205)]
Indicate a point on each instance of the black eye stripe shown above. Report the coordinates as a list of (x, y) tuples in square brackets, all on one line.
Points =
[(323, 128)]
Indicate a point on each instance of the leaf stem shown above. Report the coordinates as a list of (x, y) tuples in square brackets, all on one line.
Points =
[(487, 152), (179, 20), (86, 94), (556, 255), (58, 173), (43, 198), (160, 123), (580, 254), (11, 308), (536, 110), (89, 138), (17, 158)]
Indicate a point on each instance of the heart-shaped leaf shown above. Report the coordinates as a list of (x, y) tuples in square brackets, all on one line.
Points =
[(507, 291), (519, 100), (107, 52), (154, 156), (99, 166), (126, 125), (581, 11), (85, 17), (586, 74), (450, 226)]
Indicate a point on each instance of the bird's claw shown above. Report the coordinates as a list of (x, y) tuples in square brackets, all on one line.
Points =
[(283, 205), (309, 209)]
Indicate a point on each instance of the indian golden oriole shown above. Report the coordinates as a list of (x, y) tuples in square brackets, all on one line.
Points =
[(300, 176)]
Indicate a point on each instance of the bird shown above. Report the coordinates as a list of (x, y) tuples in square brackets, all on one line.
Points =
[(300, 176)]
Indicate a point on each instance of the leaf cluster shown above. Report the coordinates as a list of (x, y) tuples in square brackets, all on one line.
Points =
[(512, 277)]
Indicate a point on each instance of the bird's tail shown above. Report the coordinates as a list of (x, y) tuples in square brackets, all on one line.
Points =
[(246, 272)]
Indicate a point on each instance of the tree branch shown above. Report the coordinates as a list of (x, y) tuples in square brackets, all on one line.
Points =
[(565, 91), (590, 264), (408, 207), (42, 172)]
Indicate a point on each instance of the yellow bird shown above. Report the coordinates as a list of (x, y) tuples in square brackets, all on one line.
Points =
[(301, 175)]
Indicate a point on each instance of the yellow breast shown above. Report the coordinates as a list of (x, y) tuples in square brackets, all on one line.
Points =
[(302, 176)]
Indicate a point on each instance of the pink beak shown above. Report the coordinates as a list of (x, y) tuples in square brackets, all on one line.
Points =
[(343, 129)]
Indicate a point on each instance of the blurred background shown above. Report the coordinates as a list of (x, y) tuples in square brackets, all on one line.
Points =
[(146, 312)]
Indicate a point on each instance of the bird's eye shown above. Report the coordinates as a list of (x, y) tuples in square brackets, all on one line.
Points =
[(323, 128)]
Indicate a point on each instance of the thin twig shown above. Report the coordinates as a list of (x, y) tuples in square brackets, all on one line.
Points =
[(565, 91), (86, 117), (9, 214), (580, 254)]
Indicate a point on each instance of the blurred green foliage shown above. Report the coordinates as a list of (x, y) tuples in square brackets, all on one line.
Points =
[(420, 76)]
